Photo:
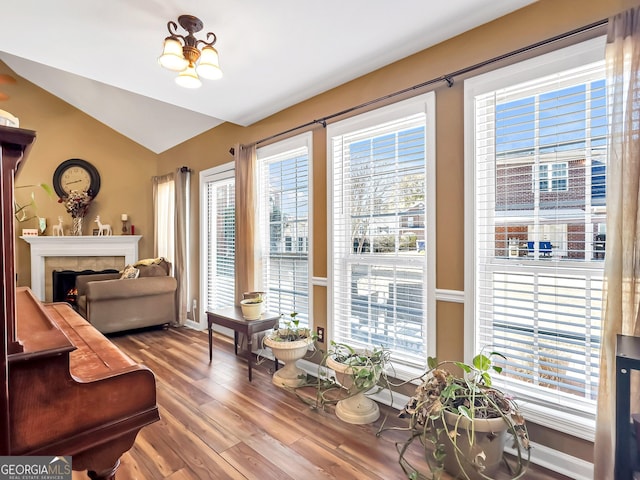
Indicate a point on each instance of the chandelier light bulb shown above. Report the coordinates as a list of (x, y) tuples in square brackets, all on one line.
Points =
[(188, 78), (172, 57), (208, 66)]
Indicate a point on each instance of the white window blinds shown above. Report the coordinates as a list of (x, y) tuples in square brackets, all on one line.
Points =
[(380, 213), (285, 225), (539, 165), (220, 242)]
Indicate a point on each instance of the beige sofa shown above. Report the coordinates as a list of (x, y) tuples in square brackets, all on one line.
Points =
[(113, 305)]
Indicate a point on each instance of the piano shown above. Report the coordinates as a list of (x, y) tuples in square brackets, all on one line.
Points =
[(65, 389)]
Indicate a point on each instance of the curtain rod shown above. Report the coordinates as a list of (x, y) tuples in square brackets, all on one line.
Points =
[(448, 78)]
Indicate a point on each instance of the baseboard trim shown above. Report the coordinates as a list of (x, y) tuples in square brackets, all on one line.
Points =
[(559, 462)]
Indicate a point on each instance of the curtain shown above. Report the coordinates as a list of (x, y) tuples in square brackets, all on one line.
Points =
[(181, 229), (622, 261), (248, 253), (163, 215), (170, 233)]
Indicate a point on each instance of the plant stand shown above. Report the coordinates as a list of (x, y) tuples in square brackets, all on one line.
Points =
[(288, 353), (357, 409)]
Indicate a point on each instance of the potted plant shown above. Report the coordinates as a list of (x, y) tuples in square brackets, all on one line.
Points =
[(357, 371), (463, 421), (252, 305), (22, 212), (289, 344)]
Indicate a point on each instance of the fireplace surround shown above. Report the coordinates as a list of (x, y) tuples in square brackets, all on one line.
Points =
[(42, 247)]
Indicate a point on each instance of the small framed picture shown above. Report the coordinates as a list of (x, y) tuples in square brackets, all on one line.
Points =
[(95, 232)]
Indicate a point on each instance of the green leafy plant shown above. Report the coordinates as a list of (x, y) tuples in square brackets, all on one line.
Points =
[(291, 331), (27, 211), (368, 371), (367, 365), (442, 415)]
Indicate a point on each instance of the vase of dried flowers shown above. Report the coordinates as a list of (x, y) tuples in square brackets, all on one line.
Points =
[(76, 226), (77, 204)]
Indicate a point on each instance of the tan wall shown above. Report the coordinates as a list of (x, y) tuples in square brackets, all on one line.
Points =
[(63, 132), (126, 168)]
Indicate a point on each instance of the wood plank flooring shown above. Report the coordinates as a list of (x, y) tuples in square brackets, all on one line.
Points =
[(216, 425)]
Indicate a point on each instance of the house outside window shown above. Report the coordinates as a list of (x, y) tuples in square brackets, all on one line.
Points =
[(284, 170), (534, 270), (382, 180)]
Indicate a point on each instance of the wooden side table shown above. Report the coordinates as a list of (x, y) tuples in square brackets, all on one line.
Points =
[(231, 317)]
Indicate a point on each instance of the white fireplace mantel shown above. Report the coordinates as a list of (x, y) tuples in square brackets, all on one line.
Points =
[(77, 246)]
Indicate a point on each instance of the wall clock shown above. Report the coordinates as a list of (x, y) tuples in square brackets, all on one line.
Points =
[(76, 174)]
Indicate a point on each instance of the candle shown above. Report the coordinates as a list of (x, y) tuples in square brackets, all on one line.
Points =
[(124, 217)]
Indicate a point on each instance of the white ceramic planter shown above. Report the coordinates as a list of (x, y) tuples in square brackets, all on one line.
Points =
[(251, 310), (288, 353), (357, 409), (490, 436)]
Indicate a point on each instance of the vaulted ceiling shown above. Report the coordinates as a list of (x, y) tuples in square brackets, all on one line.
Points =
[(101, 56)]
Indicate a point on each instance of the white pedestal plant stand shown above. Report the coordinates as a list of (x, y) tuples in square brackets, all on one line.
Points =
[(357, 409), (288, 352)]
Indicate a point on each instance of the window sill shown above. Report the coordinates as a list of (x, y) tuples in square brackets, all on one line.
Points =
[(579, 426)]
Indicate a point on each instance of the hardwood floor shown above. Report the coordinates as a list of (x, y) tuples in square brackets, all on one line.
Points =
[(216, 425)]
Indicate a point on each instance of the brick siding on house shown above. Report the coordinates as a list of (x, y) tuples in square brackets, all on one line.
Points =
[(515, 193)]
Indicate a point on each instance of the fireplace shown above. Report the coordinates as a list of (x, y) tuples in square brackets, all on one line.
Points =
[(64, 284), (123, 246)]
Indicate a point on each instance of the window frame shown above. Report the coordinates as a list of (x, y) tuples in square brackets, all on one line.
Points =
[(577, 422), (424, 103)]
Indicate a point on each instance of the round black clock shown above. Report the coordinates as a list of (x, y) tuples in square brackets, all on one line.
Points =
[(76, 174)]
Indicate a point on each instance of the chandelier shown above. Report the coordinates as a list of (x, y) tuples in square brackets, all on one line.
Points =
[(181, 53)]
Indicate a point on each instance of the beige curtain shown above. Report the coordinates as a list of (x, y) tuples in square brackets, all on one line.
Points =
[(248, 255), (622, 255), (181, 229)]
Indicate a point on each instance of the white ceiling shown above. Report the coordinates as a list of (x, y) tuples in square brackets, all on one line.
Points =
[(101, 56)]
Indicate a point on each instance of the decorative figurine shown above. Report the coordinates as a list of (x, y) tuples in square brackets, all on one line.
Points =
[(57, 229), (104, 228)]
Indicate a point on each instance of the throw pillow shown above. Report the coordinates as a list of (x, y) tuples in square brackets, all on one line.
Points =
[(129, 272), (148, 261)]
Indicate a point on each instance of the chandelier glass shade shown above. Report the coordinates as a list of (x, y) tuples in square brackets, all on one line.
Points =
[(181, 53)]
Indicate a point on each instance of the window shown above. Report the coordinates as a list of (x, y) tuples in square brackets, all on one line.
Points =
[(217, 243), (382, 204), (285, 224), (165, 201), (553, 177), (534, 265)]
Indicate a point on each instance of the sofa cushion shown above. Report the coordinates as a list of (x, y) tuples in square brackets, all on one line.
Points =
[(129, 272), (152, 271), (159, 268)]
